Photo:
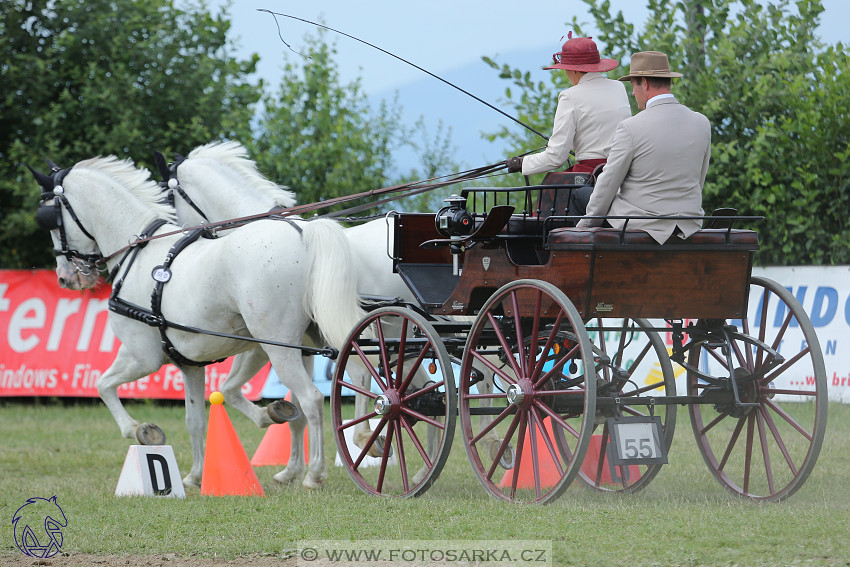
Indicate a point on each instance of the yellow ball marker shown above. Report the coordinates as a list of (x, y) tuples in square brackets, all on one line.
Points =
[(216, 398)]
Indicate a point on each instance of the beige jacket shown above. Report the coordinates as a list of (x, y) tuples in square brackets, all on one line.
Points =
[(585, 121), (657, 166)]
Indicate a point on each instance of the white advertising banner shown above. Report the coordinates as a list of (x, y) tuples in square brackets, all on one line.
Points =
[(824, 292)]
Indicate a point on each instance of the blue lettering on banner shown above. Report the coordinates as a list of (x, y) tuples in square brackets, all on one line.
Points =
[(831, 347), (823, 315)]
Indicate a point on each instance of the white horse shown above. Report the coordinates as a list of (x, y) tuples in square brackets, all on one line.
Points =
[(269, 280), (220, 182)]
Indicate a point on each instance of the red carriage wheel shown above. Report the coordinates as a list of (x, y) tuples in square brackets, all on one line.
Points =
[(396, 363), (532, 338), (765, 447)]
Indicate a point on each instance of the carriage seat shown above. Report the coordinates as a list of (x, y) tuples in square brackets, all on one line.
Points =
[(594, 237)]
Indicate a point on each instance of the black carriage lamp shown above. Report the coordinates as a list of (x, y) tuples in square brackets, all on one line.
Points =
[(455, 222)]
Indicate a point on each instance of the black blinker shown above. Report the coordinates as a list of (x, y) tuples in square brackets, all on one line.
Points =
[(48, 217)]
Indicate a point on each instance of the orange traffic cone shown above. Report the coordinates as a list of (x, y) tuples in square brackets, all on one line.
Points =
[(227, 471), (549, 475), (611, 475), (276, 446)]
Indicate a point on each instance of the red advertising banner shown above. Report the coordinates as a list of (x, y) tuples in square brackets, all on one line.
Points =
[(57, 342)]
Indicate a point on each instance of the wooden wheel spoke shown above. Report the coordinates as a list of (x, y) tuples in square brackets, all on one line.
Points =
[(777, 437), (731, 445), (402, 343), (523, 423), (369, 366), (353, 422), (385, 356), (511, 429), (547, 439), (503, 341), (385, 457), (414, 368), (748, 454), (358, 389), (490, 426), (486, 362), (402, 462), (788, 419), (417, 443), (765, 451), (365, 449), (550, 340)]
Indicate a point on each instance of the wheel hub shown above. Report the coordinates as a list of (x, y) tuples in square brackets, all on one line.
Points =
[(388, 404), (521, 394)]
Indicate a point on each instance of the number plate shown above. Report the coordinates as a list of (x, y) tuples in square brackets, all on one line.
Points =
[(637, 441)]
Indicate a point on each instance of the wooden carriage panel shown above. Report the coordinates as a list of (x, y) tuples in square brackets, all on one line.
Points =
[(670, 284), (487, 268), (411, 230)]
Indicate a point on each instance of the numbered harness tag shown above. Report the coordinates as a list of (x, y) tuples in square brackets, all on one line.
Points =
[(637, 440)]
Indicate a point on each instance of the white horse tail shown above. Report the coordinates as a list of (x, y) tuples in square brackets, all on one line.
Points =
[(331, 299)]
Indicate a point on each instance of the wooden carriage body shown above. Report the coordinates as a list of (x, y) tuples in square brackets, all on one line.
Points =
[(605, 272)]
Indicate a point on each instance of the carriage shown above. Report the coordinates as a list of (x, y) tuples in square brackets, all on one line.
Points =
[(558, 351)]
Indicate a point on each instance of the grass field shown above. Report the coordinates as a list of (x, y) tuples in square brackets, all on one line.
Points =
[(683, 518)]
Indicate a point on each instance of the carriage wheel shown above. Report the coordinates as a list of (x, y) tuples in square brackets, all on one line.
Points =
[(412, 421), (639, 368), (533, 339), (767, 449)]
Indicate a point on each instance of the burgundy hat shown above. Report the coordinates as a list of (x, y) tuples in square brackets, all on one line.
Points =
[(581, 54)]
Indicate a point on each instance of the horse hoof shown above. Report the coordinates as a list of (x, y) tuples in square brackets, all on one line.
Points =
[(281, 411), (507, 459), (377, 448), (312, 483), (284, 477), (150, 434), (191, 482)]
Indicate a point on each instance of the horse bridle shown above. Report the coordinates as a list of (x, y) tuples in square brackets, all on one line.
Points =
[(171, 185), (49, 217)]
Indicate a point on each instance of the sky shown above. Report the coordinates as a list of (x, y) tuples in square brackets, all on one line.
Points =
[(447, 38), (438, 35)]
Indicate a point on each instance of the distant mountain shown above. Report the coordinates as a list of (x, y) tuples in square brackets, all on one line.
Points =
[(468, 118)]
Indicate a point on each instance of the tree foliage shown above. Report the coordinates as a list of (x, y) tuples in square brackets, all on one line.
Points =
[(777, 98), (122, 77), (324, 139)]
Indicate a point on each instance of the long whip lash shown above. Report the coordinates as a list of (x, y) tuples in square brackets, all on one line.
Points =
[(503, 113)]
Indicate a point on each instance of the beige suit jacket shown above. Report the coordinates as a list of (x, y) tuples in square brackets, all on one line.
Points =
[(657, 167), (585, 121)]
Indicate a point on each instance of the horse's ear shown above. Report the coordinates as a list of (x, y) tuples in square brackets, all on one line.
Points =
[(159, 160), (46, 181), (51, 165)]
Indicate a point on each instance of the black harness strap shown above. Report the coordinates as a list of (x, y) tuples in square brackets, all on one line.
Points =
[(162, 275), (153, 317)]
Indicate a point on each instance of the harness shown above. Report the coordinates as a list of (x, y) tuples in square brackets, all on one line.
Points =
[(50, 217), (153, 317)]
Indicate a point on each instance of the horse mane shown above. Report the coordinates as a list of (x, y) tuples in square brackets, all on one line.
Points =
[(138, 182), (234, 155)]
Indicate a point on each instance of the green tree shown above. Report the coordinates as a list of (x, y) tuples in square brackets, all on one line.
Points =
[(122, 77), (325, 140), (777, 99)]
